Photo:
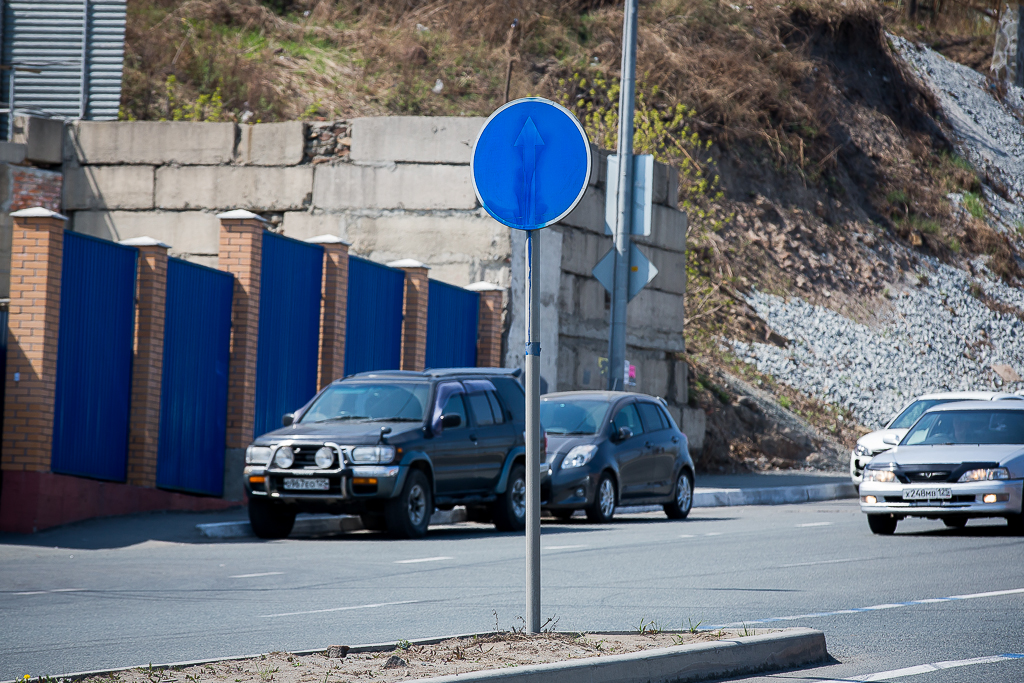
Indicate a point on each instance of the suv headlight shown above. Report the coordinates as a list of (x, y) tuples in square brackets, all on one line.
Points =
[(881, 476), (373, 455), (324, 458), (579, 456), (984, 475), (257, 455), (284, 457)]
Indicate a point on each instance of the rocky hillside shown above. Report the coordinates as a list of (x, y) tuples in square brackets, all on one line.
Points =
[(854, 181)]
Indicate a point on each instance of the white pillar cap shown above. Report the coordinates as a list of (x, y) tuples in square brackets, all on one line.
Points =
[(37, 212)]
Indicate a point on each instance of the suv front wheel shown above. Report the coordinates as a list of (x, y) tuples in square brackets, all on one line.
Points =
[(408, 515), (510, 508), (269, 519)]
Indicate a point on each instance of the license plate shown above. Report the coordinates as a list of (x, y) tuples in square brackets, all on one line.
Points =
[(306, 484), (928, 494)]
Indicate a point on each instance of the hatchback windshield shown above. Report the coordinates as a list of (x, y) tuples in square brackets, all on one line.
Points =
[(908, 417), (956, 427), (579, 416), (376, 401)]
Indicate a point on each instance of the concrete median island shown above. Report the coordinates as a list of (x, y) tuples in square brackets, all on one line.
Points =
[(611, 657)]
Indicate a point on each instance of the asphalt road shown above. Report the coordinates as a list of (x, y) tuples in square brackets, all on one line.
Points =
[(148, 589)]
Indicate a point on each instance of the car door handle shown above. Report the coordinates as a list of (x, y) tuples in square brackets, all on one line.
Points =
[(675, 439), (472, 437), (648, 444)]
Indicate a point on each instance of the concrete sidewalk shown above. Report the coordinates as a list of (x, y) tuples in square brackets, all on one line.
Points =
[(722, 490)]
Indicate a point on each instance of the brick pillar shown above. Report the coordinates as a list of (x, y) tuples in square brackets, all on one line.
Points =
[(334, 310), (241, 254), (488, 341), (148, 365), (414, 313), (37, 250)]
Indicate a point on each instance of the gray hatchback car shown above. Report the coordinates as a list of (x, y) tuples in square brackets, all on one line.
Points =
[(613, 448)]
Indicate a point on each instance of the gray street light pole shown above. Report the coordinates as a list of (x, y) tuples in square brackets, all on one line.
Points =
[(624, 204), (533, 444)]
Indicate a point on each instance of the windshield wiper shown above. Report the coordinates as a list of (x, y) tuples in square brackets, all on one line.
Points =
[(395, 419), (345, 417)]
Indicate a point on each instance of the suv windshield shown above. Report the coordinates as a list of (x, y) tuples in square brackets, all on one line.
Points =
[(376, 401), (572, 417), (956, 427), (908, 417)]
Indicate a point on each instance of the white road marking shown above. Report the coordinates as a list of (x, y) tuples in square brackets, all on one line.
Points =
[(55, 590), (423, 559), (685, 535), (341, 609), (714, 533), (928, 668), (811, 564), (253, 576), (563, 547), (814, 524), (856, 610)]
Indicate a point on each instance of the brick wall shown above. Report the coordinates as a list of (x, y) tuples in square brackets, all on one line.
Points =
[(35, 187)]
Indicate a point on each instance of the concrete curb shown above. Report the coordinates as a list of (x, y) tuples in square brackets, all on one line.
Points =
[(787, 649), (314, 525)]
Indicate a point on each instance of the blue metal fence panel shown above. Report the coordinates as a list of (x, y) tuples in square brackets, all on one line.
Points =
[(94, 358), (373, 334), (194, 390), (289, 333), (452, 315)]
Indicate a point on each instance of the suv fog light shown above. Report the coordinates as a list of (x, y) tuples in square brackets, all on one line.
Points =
[(324, 458), (870, 500), (285, 457)]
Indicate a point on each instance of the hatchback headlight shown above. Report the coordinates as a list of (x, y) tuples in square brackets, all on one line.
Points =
[(284, 457), (257, 455), (324, 458), (373, 455), (881, 476), (861, 451), (579, 456), (984, 475)]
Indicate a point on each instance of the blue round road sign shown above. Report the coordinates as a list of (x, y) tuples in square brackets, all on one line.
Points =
[(531, 163)]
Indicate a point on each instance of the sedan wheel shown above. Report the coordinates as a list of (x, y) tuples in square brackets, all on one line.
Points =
[(680, 506), (883, 525), (603, 508)]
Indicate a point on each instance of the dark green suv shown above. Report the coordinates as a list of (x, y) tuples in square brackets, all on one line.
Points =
[(391, 446)]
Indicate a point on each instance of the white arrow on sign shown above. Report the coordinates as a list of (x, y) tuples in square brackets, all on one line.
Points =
[(641, 270)]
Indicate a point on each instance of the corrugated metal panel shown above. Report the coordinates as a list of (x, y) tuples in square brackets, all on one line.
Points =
[(452, 315), (194, 391), (289, 336), (373, 335), (52, 37), (94, 358)]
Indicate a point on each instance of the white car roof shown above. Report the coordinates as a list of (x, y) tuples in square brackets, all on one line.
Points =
[(968, 396), (976, 405)]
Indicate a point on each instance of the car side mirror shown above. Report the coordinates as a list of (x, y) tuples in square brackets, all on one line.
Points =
[(449, 421), (624, 433), (287, 419), (891, 440)]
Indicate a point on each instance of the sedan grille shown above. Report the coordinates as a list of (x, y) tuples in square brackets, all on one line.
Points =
[(928, 476)]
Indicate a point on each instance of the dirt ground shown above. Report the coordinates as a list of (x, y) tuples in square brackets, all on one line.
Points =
[(408, 661)]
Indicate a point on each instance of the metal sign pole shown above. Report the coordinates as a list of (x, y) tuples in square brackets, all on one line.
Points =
[(620, 293), (533, 444)]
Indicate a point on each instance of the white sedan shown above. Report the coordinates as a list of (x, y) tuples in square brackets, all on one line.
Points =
[(960, 461), (870, 445)]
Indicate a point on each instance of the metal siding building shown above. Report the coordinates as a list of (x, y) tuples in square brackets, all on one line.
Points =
[(75, 51)]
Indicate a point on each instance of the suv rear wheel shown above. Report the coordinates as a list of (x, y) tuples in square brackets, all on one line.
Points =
[(603, 508), (269, 519), (510, 508), (408, 514)]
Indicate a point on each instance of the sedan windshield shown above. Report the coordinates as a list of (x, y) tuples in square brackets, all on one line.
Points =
[(956, 427), (909, 416), (374, 401), (580, 416)]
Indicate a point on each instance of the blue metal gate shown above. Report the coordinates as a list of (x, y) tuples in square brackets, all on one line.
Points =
[(94, 358), (452, 315), (194, 390), (289, 333), (373, 334)]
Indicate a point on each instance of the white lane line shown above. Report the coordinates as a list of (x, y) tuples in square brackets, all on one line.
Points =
[(341, 609), (253, 576), (714, 533), (928, 668), (563, 547), (810, 524), (55, 590), (686, 536), (423, 559), (872, 608), (811, 564)]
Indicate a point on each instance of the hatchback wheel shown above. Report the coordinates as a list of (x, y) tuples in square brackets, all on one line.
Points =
[(955, 522), (269, 519), (884, 525), (408, 515), (603, 508), (562, 514), (682, 498), (510, 508)]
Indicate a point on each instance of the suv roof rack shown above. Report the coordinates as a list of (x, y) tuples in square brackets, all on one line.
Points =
[(440, 372)]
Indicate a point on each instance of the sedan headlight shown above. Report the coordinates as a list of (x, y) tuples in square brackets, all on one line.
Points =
[(257, 455), (284, 457), (373, 455), (882, 476), (984, 475), (579, 456), (324, 458)]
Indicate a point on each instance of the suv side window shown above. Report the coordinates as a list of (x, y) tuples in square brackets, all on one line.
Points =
[(499, 412), (512, 395), (628, 417), (456, 406), (652, 417), (481, 408)]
